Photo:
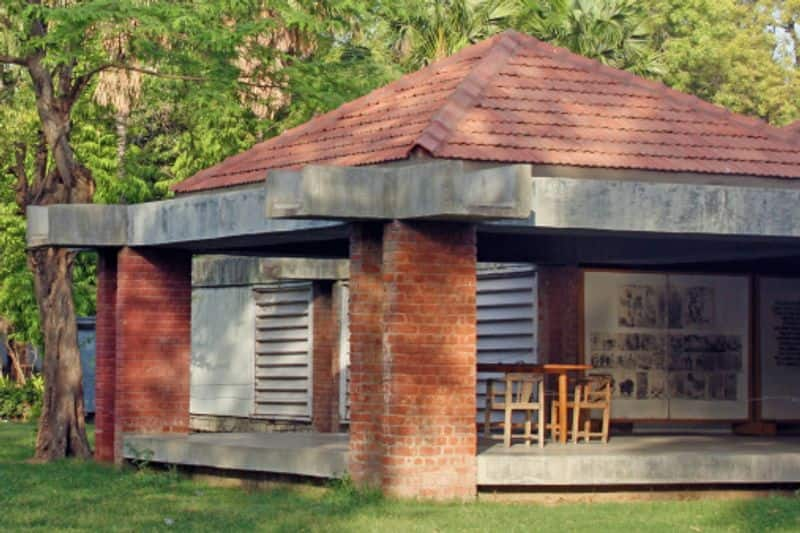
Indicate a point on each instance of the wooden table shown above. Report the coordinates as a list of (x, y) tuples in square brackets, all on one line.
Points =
[(562, 369)]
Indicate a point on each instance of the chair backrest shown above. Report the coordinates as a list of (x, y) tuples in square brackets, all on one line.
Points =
[(596, 388), (522, 386)]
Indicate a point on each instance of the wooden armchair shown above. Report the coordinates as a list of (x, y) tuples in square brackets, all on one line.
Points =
[(517, 396), (592, 393)]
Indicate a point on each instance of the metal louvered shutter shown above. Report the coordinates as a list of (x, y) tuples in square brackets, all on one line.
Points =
[(283, 352), (506, 322)]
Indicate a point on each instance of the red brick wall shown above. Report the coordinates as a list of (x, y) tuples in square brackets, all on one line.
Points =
[(366, 353), (412, 353), (105, 349), (429, 360), (153, 342), (559, 300), (324, 340)]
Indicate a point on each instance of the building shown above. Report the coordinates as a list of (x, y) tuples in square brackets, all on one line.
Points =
[(664, 231)]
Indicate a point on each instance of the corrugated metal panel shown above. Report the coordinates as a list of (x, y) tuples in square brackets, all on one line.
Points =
[(283, 352), (506, 322)]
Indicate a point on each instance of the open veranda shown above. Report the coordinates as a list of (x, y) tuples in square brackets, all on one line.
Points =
[(75, 496)]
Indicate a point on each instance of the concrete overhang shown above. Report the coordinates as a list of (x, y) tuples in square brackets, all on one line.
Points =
[(201, 219), (225, 270), (580, 204), (450, 189)]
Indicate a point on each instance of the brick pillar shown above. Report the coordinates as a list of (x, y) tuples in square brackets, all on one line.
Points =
[(105, 354), (366, 353), (559, 299), (324, 417), (153, 338), (416, 388)]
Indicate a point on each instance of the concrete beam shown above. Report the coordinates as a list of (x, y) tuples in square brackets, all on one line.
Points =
[(201, 218), (224, 270), (565, 203), (437, 189)]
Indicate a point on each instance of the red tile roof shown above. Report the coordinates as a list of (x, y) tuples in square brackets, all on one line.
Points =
[(513, 98)]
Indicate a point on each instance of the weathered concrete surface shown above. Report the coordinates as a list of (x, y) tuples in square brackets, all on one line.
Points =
[(665, 207), (223, 351), (438, 189), (73, 225), (644, 460), (297, 453), (225, 270), (192, 219)]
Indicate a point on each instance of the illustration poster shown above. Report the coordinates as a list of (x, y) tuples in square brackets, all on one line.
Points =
[(675, 345), (779, 321)]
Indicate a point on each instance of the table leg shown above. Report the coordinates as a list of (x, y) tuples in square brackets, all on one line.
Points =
[(562, 407)]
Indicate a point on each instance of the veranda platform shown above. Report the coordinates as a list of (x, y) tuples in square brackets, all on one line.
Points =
[(627, 461)]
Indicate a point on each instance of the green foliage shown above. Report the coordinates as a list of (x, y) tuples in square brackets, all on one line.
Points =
[(723, 51), (21, 402)]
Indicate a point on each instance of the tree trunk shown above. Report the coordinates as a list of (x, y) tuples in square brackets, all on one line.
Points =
[(62, 430), (121, 123), (16, 351)]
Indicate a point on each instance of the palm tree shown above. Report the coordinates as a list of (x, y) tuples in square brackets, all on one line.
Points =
[(427, 31), (615, 32)]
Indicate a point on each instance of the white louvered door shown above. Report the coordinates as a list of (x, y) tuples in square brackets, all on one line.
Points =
[(283, 352)]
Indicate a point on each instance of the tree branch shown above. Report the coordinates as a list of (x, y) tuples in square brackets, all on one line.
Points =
[(183, 77), (13, 60)]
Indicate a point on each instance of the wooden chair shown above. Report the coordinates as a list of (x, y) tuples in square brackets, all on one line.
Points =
[(518, 396), (592, 393)]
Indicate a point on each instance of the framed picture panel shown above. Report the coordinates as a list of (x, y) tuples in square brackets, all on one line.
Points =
[(779, 347), (676, 345)]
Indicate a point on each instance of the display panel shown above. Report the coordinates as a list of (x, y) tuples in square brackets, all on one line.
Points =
[(779, 334), (676, 345)]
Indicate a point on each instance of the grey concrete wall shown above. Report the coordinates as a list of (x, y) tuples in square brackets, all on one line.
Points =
[(195, 219), (432, 189), (226, 270), (223, 348), (665, 207)]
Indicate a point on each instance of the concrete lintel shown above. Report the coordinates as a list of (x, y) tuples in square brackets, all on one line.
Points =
[(197, 218), (77, 225), (438, 189), (629, 206), (225, 270)]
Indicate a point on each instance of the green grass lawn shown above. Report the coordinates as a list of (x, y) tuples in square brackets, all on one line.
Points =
[(73, 496)]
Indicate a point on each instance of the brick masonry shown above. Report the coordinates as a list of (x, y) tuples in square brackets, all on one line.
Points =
[(559, 318), (325, 387), (412, 319), (105, 350), (366, 353), (143, 352)]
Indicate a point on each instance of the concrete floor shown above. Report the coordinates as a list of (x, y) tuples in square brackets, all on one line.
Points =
[(643, 460), (626, 460), (296, 453)]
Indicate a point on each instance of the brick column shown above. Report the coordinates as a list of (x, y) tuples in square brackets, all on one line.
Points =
[(105, 354), (421, 297), (559, 300), (324, 418), (366, 353), (153, 338)]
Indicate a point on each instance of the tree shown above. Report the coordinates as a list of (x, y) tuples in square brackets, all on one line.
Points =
[(200, 51), (615, 32), (60, 46), (422, 32), (725, 52)]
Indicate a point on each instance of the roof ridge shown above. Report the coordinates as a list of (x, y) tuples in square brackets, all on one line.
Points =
[(467, 93), (321, 122), (695, 102)]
